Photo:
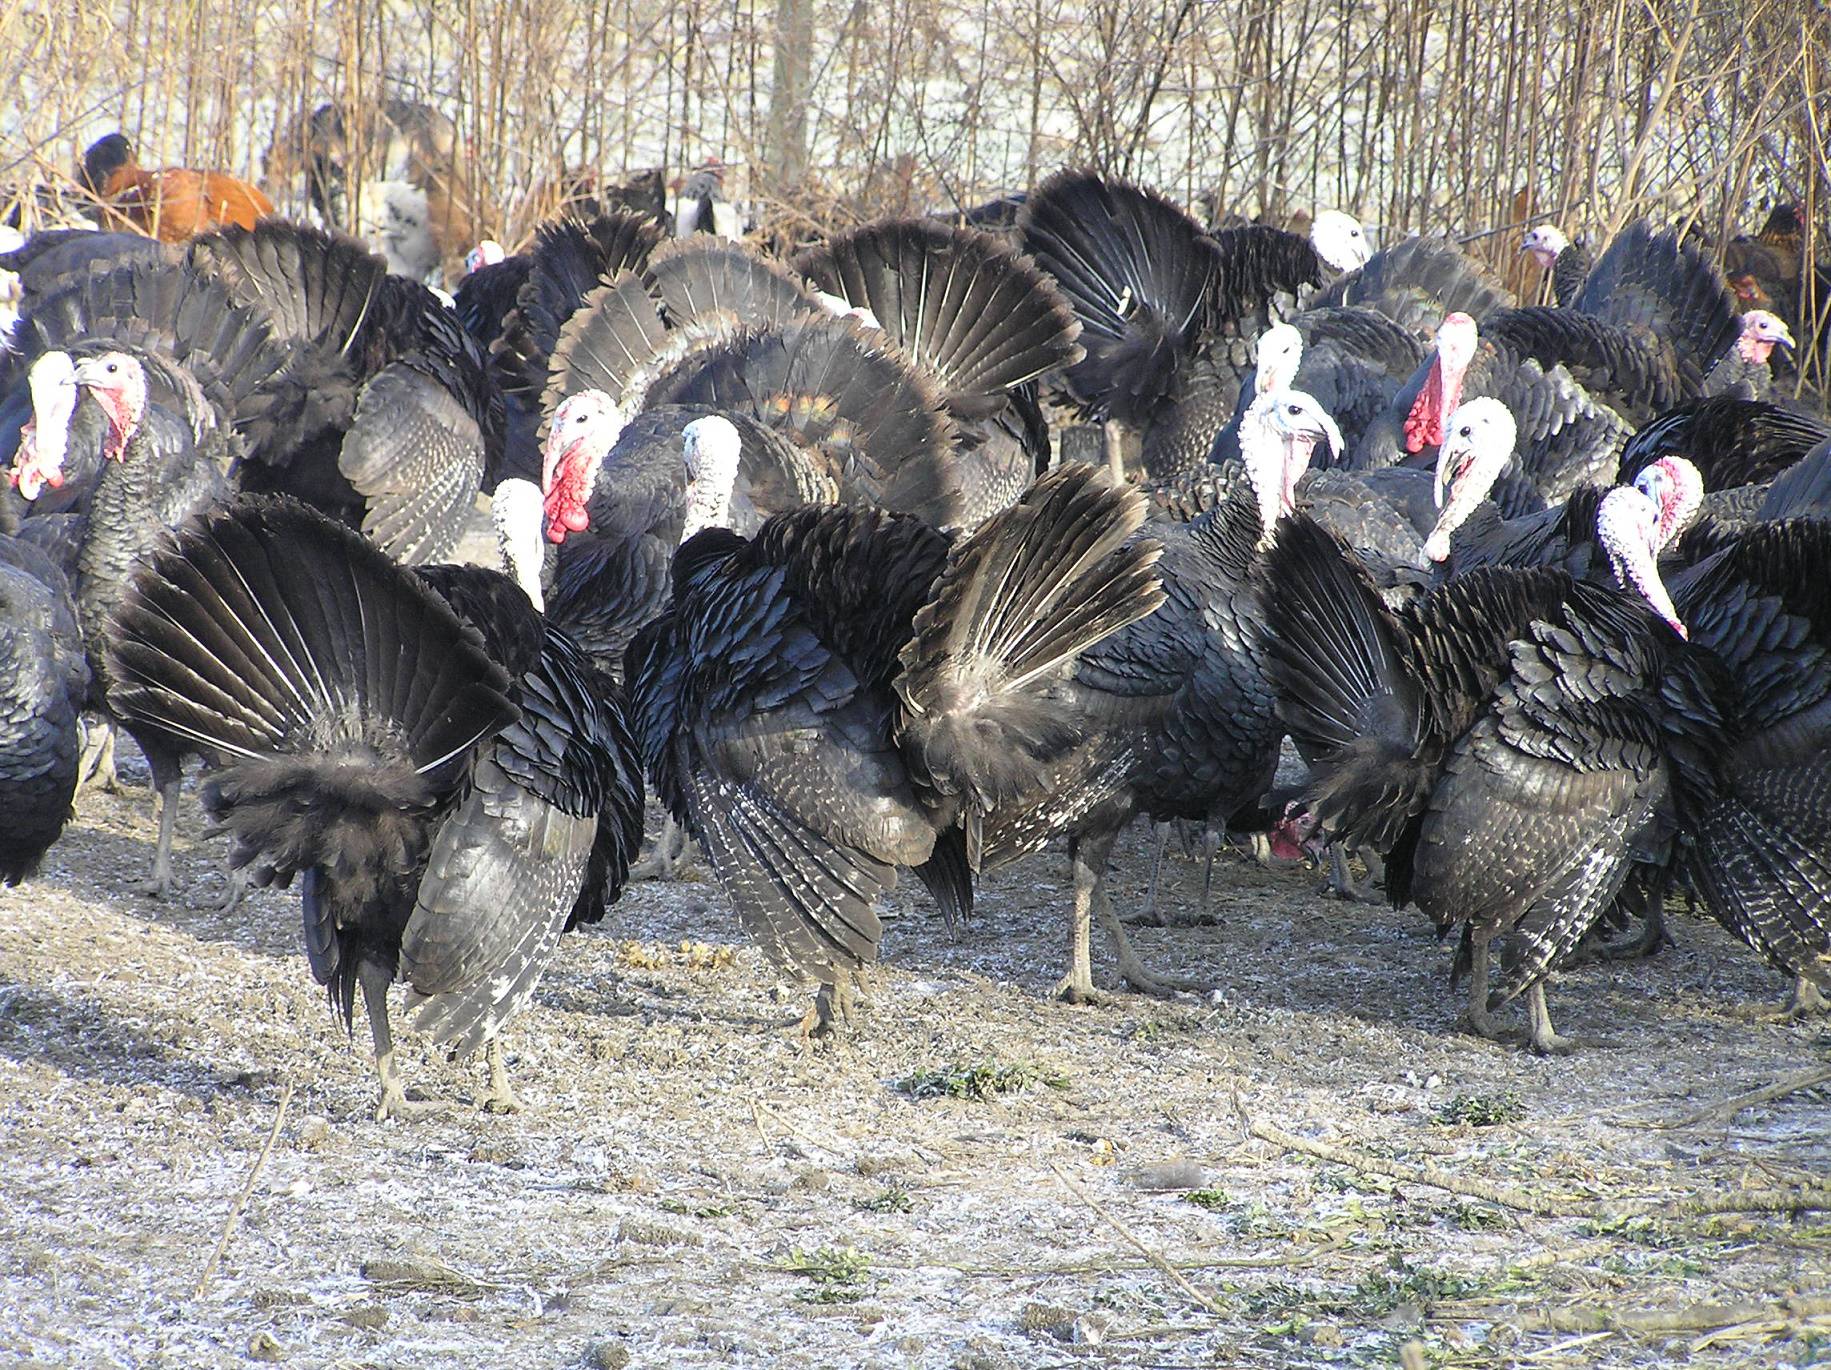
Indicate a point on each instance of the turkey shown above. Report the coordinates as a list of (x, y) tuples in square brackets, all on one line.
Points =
[(1762, 855), (823, 409), (1653, 324), (984, 324), (1169, 312), (388, 419), (1520, 746), (44, 683), (1567, 262), (1180, 720), (451, 780), (851, 692), (153, 430), (488, 292)]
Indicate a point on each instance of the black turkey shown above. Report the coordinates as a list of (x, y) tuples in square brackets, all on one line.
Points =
[(446, 773), (850, 693), (44, 683), (386, 417), (1168, 311), (1520, 746)]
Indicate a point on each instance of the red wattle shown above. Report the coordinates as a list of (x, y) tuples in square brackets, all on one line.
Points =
[(1424, 424)]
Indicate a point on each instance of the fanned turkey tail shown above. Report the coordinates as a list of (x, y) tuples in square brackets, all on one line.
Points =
[(334, 693), (863, 416), (1138, 272), (1657, 281), (962, 303), (1346, 687), (1019, 600)]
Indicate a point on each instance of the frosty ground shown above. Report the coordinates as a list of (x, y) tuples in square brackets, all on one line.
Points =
[(975, 1176)]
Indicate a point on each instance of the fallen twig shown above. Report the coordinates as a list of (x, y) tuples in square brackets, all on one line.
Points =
[(1544, 1205), (241, 1200), (1725, 1109), (1646, 1322), (1169, 1271), (790, 1125)]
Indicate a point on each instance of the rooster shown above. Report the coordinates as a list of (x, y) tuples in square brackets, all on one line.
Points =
[(174, 204)]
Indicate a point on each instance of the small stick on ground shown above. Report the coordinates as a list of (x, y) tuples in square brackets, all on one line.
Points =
[(1726, 1109), (241, 1200), (1545, 1206), (790, 1125), (756, 1112), (1169, 1271)]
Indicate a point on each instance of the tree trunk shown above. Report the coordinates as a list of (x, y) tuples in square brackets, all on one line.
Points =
[(785, 143)]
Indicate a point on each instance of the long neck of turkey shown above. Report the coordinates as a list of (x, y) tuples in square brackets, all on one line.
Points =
[(1627, 527), (517, 511), (1274, 461)]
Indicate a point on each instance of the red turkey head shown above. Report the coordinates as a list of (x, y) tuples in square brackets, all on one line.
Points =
[(1442, 392), (584, 429)]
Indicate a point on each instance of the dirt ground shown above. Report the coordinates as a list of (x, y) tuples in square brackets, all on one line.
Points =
[(692, 1185)]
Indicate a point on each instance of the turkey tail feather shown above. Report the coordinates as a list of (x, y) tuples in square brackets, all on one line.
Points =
[(1345, 688), (1019, 600), (320, 677)]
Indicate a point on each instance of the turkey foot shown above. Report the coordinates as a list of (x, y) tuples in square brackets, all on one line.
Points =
[(501, 1097), (1342, 885), (831, 1010), (394, 1101), (1540, 1037), (1134, 972)]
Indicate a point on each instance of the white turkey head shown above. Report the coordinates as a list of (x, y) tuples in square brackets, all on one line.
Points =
[(710, 450), (44, 442), (517, 511), (486, 253), (118, 381), (1339, 240), (1277, 436), (584, 429), (1279, 354), (1627, 527), (1544, 243), (1676, 487), (1442, 392), (1474, 452), (1762, 331)]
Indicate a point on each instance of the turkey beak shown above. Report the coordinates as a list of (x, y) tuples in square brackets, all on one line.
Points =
[(1446, 463), (1783, 335)]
